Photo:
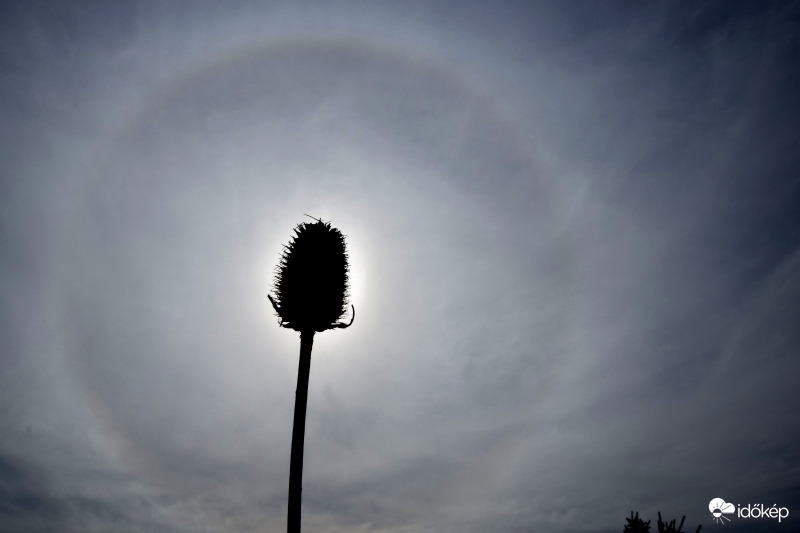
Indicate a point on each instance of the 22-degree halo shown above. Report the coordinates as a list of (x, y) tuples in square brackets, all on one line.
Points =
[(121, 443)]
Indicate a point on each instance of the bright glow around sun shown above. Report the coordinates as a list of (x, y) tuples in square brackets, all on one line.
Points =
[(357, 276)]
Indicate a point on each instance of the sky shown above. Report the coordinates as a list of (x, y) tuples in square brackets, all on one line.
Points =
[(574, 240)]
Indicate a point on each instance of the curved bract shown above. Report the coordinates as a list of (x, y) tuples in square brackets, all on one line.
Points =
[(311, 280)]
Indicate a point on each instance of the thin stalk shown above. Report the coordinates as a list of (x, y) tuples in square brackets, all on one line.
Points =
[(299, 432)]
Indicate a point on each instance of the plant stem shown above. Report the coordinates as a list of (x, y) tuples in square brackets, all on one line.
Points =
[(298, 432)]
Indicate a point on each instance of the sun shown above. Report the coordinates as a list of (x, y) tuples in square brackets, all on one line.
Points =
[(357, 276)]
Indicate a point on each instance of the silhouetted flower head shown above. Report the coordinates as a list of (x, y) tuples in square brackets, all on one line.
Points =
[(311, 280)]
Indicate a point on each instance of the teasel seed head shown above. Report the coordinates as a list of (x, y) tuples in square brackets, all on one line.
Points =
[(311, 281)]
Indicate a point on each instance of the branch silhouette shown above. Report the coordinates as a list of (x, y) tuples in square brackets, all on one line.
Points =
[(637, 525), (669, 527), (311, 293)]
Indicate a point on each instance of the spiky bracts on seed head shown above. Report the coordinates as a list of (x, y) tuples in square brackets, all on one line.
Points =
[(311, 281)]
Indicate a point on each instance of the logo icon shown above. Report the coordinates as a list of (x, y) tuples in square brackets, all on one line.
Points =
[(719, 508)]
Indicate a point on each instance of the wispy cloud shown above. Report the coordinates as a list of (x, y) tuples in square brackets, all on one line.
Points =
[(572, 231)]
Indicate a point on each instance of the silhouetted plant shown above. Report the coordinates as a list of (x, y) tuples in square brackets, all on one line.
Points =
[(311, 292), (636, 525), (670, 527)]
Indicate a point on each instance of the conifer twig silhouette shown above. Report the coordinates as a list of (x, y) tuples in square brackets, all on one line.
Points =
[(636, 525), (311, 293)]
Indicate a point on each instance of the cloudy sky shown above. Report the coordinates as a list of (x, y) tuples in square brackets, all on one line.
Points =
[(574, 233)]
